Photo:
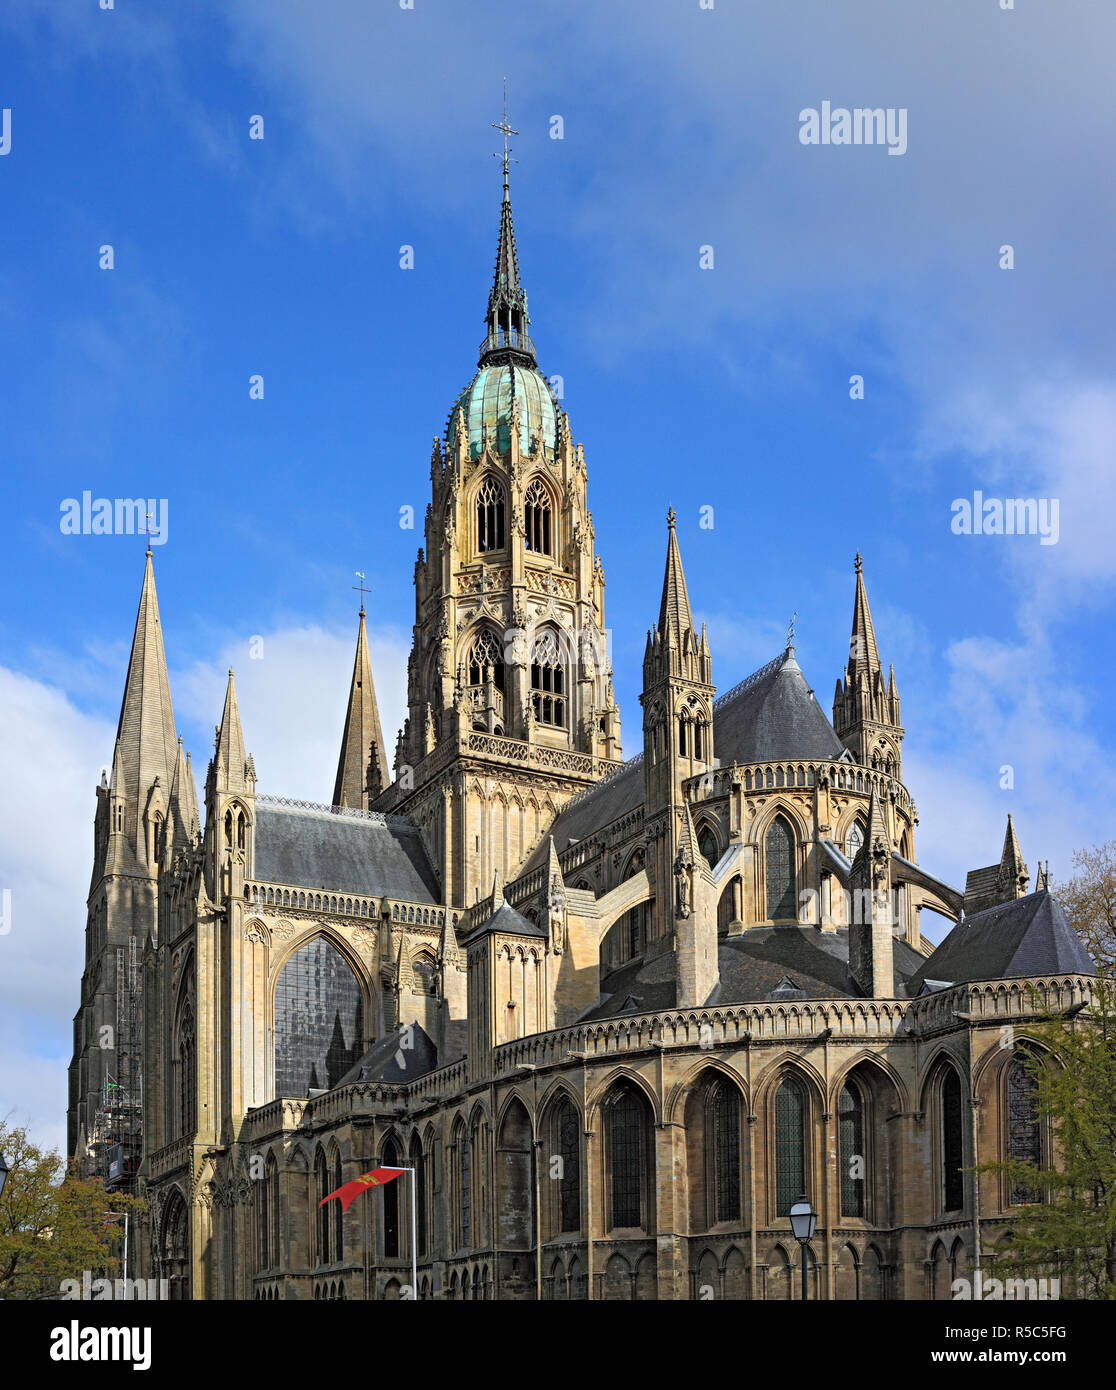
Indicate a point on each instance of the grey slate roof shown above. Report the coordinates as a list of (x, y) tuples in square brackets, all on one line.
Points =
[(774, 715), (350, 854), (612, 797), (386, 1060), (1027, 936), (762, 963), (505, 918)]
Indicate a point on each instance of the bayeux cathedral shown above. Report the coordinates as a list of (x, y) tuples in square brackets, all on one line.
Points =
[(614, 1017)]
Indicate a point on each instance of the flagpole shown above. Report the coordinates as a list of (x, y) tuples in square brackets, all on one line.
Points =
[(414, 1234), (125, 1247)]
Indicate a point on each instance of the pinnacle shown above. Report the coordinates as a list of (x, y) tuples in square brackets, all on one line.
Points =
[(864, 657), (363, 762), (229, 758), (675, 617)]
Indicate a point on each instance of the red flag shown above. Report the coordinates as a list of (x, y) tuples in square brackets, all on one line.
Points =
[(352, 1190)]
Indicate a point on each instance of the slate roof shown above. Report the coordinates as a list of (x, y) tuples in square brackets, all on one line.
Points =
[(773, 715), (349, 854), (386, 1060), (612, 797), (762, 963), (505, 918), (1027, 936)]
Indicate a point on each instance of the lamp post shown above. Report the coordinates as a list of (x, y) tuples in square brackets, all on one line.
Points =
[(4, 1171), (803, 1219)]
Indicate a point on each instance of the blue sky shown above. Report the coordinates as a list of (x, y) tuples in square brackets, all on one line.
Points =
[(726, 387)]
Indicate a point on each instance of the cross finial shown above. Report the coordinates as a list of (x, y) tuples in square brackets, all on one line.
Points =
[(790, 629), (363, 590), (670, 517), (505, 130), (148, 518), (857, 562)]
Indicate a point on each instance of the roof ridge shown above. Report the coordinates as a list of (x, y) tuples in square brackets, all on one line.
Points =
[(604, 782), (290, 803), (749, 681)]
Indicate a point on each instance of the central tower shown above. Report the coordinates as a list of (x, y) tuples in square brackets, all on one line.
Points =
[(509, 683)]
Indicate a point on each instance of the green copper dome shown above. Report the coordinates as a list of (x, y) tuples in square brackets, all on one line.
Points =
[(487, 403)]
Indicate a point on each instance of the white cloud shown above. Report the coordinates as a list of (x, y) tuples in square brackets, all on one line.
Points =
[(52, 756)]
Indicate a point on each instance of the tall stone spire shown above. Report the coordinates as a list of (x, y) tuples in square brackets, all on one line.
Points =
[(230, 762), (145, 735), (1014, 876), (675, 618), (183, 804), (865, 705), (863, 653), (507, 318), (362, 766)]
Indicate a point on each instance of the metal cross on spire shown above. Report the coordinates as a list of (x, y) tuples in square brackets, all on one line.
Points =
[(790, 629), (505, 130), (363, 590)]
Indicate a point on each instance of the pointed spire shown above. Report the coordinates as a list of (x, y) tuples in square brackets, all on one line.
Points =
[(1013, 871), (675, 618), (447, 939), (145, 733), (876, 829), (864, 658), (362, 766), (687, 840), (507, 317), (183, 805), (229, 758)]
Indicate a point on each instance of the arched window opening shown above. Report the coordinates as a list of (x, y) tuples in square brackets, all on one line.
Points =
[(241, 829), (465, 1190), (626, 1133), (319, 1023), (683, 725), (322, 1189), (486, 655), (790, 1145), (779, 863), (338, 1243), (723, 1156), (953, 1187), (228, 829), (568, 1147), (853, 840), (425, 974), (1024, 1132), (390, 1191), (536, 515), (707, 844), (548, 681), (490, 516), (850, 1111), (187, 1070)]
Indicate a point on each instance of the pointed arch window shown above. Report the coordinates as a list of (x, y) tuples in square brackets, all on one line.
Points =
[(953, 1187), (850, 1117), (779, 864), (790, 1145), (1024, 1132), (568, 1147), (465, 1190), (187, 1070), (723, 1150), (390, 1191), (484, 655), (853, 840), (626, 1134), (319, 1020), (707, 844), (548, 681), (490, 516), (322, 1189), (536, 515)]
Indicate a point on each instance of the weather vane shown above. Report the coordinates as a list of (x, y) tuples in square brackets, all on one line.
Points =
[(505, 130), (360, 575), (790, 629)]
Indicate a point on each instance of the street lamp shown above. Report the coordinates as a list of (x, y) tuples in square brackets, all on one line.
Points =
[(4, 1171), (803, 1219)]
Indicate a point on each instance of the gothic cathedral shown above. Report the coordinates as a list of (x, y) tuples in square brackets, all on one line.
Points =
[(613, 1017)]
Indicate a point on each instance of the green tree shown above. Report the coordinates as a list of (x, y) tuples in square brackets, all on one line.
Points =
[(1089, 900), (53, 1225), (1069, 1230)]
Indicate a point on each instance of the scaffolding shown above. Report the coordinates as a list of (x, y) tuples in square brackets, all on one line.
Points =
[(117, 1140)]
